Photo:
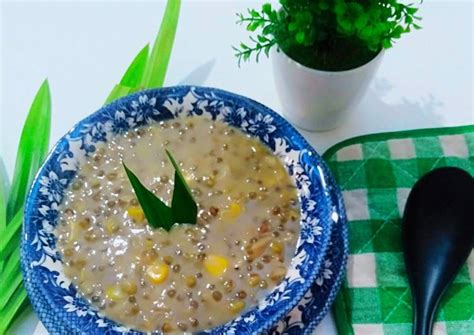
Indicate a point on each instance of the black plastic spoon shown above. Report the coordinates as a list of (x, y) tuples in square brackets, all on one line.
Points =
[(438, 236)]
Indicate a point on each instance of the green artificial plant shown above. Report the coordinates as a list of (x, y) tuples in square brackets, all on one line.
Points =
[(327, 34)]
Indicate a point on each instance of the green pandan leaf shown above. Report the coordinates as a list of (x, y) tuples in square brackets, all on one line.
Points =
[(132, 78), (4, 187), (33, 147), (13, 307), (10, 237), (157, 213), (136, 70), (117, 92), (157, 65), (11, 278), (183, 205)]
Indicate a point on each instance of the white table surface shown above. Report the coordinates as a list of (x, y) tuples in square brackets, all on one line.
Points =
[(83, 47)]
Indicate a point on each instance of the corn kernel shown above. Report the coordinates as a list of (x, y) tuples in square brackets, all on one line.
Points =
[(157, 273), (233, 211), (136, 213), (216, 265), (277, 247), (236, 306), (114, 293), (128, 287), (111, 225), (190, 281)]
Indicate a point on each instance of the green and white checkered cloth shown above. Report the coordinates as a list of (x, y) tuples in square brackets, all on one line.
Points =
[(375, 174)]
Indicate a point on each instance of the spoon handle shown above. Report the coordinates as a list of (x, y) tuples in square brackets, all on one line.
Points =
[(422, 328), (423, 320)]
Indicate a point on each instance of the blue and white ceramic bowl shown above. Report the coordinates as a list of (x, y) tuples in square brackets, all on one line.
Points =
[(41, 261)]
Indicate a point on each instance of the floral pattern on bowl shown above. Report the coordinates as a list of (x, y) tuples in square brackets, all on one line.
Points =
[(41, 261)]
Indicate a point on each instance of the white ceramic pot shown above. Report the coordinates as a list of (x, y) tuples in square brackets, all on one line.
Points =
[(319, 100)]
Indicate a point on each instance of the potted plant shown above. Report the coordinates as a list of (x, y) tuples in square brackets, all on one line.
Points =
[(325, 52)]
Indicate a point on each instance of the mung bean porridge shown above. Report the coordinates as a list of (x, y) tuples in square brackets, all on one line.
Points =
[(193, 277)]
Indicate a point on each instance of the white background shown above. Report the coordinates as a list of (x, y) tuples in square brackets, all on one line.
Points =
[(83, 47)]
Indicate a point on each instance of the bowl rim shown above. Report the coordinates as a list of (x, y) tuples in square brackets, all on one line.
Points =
[(323, 171)]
